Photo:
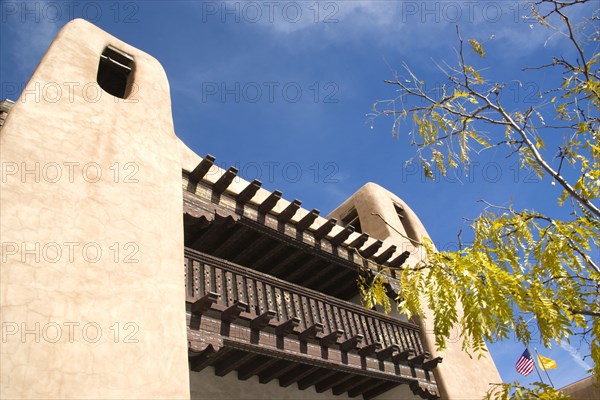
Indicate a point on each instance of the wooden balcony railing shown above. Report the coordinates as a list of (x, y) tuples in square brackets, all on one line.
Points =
[(259, 293), (253, 313)]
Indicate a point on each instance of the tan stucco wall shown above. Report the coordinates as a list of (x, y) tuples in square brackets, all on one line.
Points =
[(458, 376), (73, 304), (585, 389)]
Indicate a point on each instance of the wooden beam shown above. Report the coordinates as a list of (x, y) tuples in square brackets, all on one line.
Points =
[(268, 204), (301, 269), (403, 355), (371, 249), (296, 374), (289, 211), (287, 327), (324, 229), (317, 376), (431, 364), (235, 360), (232, 312), (225, 180), (359, 241), (385, 255), (205, 358), (418, 359), (342, 235), (388, 352), (311, 332), (323, 276), (262, 321), (349, 384), (331, 338), (364, 387), (202, 168), (352, 343), (291, 260), (204, 303), (268, 257), (307, 220), (255, 366), (249, 191), (214, 235), (369, 349), (232, 242), (332, 381), (252, 248), (275, 371), (382, 388), (398, 261)]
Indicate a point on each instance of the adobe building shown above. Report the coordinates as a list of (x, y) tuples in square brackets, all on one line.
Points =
[(134, 268)]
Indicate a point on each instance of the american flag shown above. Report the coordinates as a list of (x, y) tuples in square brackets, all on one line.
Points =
[(525, 363)]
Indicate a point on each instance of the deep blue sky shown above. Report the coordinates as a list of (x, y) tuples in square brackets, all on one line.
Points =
[(282, 91)]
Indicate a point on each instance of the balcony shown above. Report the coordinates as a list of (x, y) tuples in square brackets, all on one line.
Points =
[(243, 320)]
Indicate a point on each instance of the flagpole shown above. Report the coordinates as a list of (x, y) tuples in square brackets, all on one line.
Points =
[(535, 366), (544, 368)]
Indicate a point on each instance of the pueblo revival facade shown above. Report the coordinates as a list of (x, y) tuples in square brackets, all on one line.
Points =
[(130, 271)]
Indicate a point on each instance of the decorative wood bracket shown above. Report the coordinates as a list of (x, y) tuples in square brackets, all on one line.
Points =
[(262, 321), (332, 338), (388, 352), (307, 220), (351, 343), (369, 349), (202, 168), (287, 327), (403, 355), (203, 304), (418, 359), (431, 364), (231, 313), (311, 332)]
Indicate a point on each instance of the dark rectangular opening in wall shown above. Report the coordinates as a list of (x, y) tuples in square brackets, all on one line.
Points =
[(399, 211), (406, 224), (352, 219), (114, 72)]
